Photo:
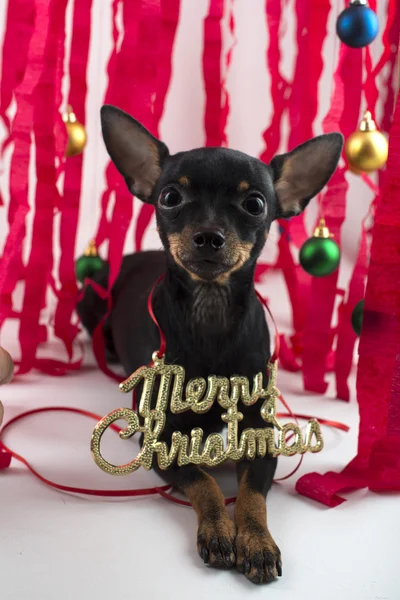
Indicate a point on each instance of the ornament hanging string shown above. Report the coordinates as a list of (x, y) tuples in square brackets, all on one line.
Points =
[(7, 453)]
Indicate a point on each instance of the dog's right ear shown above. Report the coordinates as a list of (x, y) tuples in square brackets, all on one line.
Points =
[(138, 155)]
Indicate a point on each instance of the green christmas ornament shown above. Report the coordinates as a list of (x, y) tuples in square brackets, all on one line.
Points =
[(357, 317), (320, 254), (88, 264)]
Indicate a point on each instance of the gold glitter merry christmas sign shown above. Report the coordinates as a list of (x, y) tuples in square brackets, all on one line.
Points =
[(275, 439)]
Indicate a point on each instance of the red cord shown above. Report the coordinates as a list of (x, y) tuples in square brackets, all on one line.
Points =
[(275, 354), (162, 491), (163, 341), (67, 488)]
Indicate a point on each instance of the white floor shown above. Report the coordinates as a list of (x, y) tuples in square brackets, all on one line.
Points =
[(55, 545)]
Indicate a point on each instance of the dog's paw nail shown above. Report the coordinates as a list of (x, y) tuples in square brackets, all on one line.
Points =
[(279, 567), (204, 554), (214, 547), (247, 566), (230, 560)]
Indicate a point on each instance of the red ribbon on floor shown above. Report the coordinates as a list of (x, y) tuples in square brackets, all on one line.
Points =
[(6, 453)]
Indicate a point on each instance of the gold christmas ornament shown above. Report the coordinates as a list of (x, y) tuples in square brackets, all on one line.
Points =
[(199, 396), (367, 148), (322, 230), (76, 134)]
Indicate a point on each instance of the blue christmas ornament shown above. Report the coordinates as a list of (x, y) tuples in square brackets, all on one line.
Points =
[(357, 26)]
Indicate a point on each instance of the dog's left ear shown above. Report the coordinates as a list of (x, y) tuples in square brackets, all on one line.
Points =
[(299, 175), (137, 154)]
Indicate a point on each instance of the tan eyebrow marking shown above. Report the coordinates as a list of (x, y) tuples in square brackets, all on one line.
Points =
[(184, 181), (243, 186)]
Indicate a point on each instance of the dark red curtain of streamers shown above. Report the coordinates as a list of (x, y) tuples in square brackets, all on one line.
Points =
[(22, 84), (35, 82), (377, 463), (346, 337)]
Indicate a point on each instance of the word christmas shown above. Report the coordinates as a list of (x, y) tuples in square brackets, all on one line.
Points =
[(199, 397)]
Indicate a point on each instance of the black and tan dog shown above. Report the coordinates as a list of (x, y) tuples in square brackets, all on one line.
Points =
[(214, 208)]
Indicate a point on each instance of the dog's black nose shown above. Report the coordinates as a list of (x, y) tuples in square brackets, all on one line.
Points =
[(211, 238)]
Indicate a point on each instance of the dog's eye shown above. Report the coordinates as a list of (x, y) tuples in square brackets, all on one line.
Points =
[(254, 205), (170, 198)]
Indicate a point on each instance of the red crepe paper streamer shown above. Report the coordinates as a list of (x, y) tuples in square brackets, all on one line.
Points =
[(377, 464), (280, 87), (64, 328), (215, 135), (346, 338), (40, 86), (311, 32), (163, 65), (48, 94), (343, 116), (279, 90), (148, 64), (120, 67), (11, 266), (20, 21), (224, 91)]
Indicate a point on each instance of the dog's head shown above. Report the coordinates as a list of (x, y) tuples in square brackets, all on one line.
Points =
[(214, 206)]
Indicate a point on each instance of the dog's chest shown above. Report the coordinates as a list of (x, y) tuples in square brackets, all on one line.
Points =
[(211, 307)]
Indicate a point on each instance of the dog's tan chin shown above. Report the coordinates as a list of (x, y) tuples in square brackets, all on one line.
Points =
[(207, 276)]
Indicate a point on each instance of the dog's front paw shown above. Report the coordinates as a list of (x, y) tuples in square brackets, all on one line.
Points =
[(258, 557), (216, 542)]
